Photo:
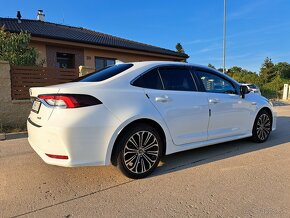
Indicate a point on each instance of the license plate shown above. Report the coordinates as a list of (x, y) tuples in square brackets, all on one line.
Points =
[(36, 106)]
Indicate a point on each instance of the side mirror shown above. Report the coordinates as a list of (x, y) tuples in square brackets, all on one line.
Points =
[(244, 90)]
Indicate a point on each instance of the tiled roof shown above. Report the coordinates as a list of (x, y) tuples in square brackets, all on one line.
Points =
[(77, 34)]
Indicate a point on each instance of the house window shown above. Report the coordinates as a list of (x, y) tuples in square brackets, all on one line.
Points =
[(65, 60), (104, 62)]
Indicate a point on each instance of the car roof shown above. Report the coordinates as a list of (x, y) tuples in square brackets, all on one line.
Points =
[(139, 68), (152, 64), (173, 63)]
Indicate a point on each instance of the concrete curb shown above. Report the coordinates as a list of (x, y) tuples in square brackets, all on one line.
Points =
[(9, 136)]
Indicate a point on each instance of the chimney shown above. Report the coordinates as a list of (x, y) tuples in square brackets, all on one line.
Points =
[(40, 15), (18, 16)]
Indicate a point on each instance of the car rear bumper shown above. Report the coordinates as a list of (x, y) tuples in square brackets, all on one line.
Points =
[(84, 141)]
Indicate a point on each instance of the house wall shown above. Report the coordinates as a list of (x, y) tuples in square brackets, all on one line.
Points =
[(90, 54), (85, 54), (41, 48), (51, 55)]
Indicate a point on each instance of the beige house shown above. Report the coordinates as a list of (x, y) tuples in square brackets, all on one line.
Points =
[(62, 46)]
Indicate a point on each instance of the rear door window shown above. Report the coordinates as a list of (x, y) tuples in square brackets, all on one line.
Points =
[(149, 80), (178, 79)]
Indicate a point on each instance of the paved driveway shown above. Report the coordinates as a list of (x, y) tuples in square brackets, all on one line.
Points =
[(235, 179)]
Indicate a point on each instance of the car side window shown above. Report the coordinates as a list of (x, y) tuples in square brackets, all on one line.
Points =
[(216, 84), (150, 80), (178, 79)]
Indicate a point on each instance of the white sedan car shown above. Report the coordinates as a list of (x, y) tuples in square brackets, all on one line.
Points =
[(132, 114)]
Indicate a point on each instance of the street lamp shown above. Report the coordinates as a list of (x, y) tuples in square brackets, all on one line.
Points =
[(225, 31)]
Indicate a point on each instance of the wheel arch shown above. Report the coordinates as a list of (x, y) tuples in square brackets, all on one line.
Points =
[(147, 121)]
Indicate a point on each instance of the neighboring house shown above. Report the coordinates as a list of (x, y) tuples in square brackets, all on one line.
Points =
[(64, 46)]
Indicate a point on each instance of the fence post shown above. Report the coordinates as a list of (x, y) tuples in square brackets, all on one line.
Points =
[(5, 93), (286, 92), (5, 81), (12, 113), (84, 70)]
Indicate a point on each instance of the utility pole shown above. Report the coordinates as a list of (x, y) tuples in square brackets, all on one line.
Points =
[(225, 32)]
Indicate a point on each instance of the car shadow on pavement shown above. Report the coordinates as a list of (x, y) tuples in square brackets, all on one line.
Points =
[(200, 156)]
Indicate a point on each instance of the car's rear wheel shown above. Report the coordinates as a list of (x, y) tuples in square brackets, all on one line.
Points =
[(139, 151), (262, 127)]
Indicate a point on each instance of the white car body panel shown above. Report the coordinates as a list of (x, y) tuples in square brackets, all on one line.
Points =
[(182, 111), (230, 115), (87, 135), (61, 135)]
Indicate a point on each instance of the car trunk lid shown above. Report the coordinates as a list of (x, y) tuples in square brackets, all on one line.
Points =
[(40, 112)]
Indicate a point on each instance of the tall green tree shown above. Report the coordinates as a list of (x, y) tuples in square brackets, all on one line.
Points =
[(267, 72), (14, 47), (282, 69), (179, 48), (243, 75)]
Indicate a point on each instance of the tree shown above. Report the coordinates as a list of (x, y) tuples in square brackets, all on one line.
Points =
[(15, 48), (267, 63), (243, 75), (267, 72), (179, 48), (234, 72), (211, 66), (282, 69), (220, 70)]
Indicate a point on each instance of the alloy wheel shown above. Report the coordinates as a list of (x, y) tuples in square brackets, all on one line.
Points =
[(263, 127), (141, 152)]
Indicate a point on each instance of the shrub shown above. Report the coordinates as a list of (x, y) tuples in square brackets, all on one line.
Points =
[(14, 47)]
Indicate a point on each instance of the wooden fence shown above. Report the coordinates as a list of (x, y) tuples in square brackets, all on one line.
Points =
[(23, 78)]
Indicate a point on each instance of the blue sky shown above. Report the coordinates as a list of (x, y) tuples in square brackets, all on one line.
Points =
[(255, 28)]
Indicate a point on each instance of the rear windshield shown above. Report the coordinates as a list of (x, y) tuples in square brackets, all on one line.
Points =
[(104, 73)]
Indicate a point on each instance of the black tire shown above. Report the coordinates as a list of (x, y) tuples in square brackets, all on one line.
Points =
[(262, 127), (136, 161)]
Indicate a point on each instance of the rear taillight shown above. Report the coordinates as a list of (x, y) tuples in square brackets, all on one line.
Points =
[(69, 100)]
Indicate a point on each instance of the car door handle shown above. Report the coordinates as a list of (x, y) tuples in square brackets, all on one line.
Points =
[(162, 99), (214, 100)]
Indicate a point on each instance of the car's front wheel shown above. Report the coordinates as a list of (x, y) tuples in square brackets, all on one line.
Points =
[(262, 127), (139, 152)]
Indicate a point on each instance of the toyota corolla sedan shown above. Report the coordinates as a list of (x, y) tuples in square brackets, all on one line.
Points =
[(132, 114)]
